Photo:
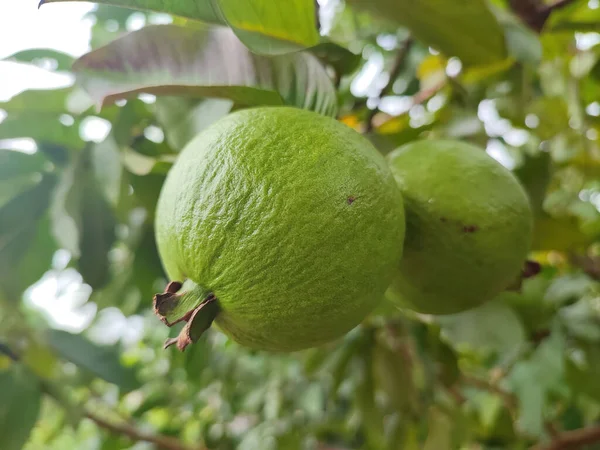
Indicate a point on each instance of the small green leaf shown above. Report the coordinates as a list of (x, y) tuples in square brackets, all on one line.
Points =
[(102, 362), (183, 118), (340, 58), (83, 221), (492, 326), (108, 170), (535, 378), (195, 62), (466, 29), (582, 371), (58, 61), (523, 44), (21, 238), (52, 101), (15, 163), (20, 398), (43, 127), (97, 235), (439, 436)]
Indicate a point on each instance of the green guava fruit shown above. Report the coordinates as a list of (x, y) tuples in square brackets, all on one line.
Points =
[(468, 226), (286, 226)]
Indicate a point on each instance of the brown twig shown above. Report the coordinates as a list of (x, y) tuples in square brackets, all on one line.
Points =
[(571, 440), (397, 66), (535, 13), (164, 442)]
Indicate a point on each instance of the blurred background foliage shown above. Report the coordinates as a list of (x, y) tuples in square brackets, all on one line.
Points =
[(521, 79)]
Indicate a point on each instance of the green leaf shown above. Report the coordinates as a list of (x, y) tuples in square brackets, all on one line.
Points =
[(466, 29), (52, 101), (192, 62), (14, 164), (83, 221), (44, 127), (42, 56), (265, 27), (192, 9), (21, 238), (108, 170), (534, 175), (582, 371), (102, 362), (272, 28), (440, 431), (393, 372), (97, 235), (492, 326), (535, 378), (582, 320), (20, 398), (183, 118), (340, 58), (523, 44)]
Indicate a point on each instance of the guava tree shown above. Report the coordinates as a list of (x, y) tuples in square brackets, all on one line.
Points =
[(520, 78)]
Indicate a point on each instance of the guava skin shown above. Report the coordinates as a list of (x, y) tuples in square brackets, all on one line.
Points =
[(468, 226), (292, 219)]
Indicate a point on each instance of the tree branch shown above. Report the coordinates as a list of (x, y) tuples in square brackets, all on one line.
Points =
[(571, 440), (164, 442), (397, 66)]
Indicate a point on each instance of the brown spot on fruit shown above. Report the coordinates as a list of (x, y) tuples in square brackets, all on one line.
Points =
[(470, 228), (443, 219), (350, 199)]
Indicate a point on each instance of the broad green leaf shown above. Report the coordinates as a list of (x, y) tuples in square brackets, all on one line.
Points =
[(192, 9), (264, 26), (21, 239), (20, 398), (271, 28), (466, 29), (183, 118), (101, 361), (43, 57), (193, 62), (492, 326)]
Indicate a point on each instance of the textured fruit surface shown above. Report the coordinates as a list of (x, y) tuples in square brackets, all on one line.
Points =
[(468, 226), (291, 219)]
